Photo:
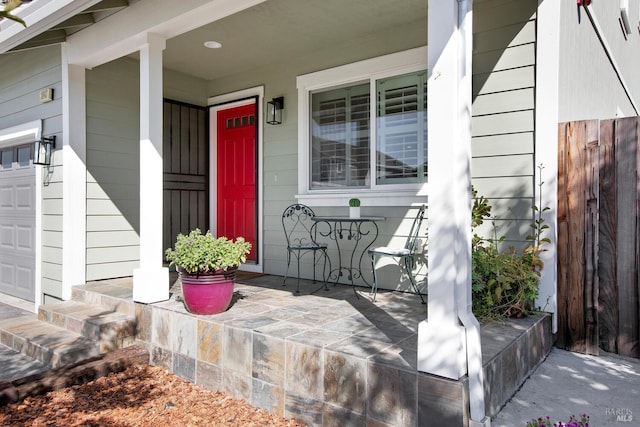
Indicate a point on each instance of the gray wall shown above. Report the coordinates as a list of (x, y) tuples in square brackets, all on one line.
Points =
[(23, 75), (588, 86), (281, 142), (503, 128), (113, 182), (503, 163), (503, 114), (113, 162)]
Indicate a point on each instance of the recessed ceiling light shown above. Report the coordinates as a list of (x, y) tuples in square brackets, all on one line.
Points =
[(213, 44)]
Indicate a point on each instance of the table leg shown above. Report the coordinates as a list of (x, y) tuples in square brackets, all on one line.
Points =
[(354, 231)]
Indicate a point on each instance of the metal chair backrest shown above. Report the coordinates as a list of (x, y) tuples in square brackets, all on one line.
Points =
[(298, 224), (412, 238)]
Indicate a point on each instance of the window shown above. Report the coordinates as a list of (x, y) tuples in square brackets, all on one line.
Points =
[(402, 129), (24, 155), (364, 128), (7, 158), (340, 137), (16, 145)]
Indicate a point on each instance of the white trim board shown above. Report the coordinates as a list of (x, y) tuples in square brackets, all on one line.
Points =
[(21, 134)]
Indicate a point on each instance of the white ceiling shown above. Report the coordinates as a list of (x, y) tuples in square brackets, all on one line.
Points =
[(276, 30)]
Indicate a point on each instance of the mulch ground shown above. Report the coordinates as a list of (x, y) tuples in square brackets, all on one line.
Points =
[(142, 395)]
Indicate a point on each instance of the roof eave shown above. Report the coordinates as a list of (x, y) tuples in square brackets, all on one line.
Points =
[(39, 17)]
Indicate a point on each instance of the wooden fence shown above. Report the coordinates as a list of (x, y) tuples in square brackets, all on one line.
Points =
[(599, 236)]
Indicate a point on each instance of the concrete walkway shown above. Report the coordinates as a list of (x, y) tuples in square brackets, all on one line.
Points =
[(605, 387)]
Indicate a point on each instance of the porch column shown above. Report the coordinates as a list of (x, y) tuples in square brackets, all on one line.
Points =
[(74, 176), (449, 340), (151, 280)]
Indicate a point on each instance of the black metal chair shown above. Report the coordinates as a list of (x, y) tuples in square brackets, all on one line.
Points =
[(407, 254), (301, 231)]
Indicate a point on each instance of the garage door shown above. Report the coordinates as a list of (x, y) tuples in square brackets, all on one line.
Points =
[(17, 222)]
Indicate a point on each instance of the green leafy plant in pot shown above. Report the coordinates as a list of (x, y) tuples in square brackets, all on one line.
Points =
[(207, 267)]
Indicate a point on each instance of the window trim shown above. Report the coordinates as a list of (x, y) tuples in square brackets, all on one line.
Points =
[(370, 70), (20, 134)]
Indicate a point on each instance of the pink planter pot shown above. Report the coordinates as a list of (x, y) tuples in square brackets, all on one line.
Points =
[(208, 293)]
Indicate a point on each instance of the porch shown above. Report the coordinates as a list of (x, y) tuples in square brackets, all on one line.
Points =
[(328, 358)]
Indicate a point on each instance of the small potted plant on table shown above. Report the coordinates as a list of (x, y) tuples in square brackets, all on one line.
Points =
[(354, 208), (207, 267)]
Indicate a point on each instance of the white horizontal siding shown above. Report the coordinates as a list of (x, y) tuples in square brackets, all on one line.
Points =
[(514, 165), (51, 253), (108, 222), (498, 102), (49, 286), (509, 11), (104, 191), (112, 238), (516, 186), (500, 145), (111, 207), (509, 58), (112, 254), (517, 207), (515, 34), (53, 272), (111, 270), (52, 190), (113, 188), (52, 223), (51, 238), (52, 206), (501, 81), (503, 122), (23, 75), (120, 174)]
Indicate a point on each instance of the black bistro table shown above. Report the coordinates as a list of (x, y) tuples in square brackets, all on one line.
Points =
[(360, 232)]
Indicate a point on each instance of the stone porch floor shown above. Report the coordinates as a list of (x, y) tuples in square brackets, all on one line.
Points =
[(328, 358)]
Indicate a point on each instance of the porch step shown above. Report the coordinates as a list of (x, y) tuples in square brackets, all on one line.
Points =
[(16, 365), (114, 294), (44, 342), (110, 329), (67, 332)]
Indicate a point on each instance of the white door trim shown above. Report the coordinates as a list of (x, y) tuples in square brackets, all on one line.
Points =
[(223, 102)]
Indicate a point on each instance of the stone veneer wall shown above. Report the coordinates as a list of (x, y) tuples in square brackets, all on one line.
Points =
[(506, 372), (300, 378)]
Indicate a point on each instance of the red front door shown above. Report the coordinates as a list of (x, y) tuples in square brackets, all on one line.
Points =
[(237, 175)]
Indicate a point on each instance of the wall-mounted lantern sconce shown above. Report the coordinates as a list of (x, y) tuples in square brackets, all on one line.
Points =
[(42, 150), (274, 110)]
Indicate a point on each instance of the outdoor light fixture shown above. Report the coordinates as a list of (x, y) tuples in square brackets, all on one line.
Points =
[(274, 110), (42, 150)]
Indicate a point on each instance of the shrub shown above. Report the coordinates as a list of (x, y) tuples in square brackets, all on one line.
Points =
[(504, 283), (202, 253)]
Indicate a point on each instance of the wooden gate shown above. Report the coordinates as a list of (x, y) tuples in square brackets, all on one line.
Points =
[(599, 236)]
